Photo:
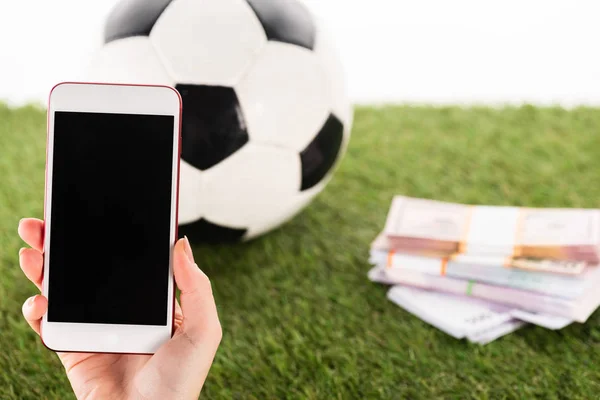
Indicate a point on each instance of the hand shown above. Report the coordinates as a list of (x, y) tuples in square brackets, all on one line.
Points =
[(179, 367)]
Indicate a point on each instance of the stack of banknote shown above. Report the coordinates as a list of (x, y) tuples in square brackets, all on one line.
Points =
[(480, 272)]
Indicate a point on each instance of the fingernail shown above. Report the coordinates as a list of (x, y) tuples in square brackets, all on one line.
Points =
[(188, 249), (21, 251), (30, 301)]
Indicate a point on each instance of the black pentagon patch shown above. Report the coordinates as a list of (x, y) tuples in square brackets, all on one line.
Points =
[(213, 125), (320, 155), (204, 231), (133, 18), (287, 21)]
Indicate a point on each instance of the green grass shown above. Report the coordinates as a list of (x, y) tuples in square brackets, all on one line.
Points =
[(300, 318)]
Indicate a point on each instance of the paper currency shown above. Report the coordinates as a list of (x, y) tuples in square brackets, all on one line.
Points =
[(544, 320), (430, 227), (547, 321), (578, 310), (491, 270), (477, 321), (545, 265), (496, 332), (481, 272)]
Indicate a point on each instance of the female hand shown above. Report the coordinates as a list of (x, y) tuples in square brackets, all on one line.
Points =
[(177, 370)]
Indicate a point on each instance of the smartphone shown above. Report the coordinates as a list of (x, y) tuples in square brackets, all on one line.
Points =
[(112, 180)]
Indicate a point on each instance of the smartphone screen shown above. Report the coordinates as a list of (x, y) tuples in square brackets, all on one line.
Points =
[(110, 242)]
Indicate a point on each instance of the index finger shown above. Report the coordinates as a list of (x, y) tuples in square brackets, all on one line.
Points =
[(31, 231)]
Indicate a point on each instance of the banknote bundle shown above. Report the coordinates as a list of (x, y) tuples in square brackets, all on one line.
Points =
[(480, 272)]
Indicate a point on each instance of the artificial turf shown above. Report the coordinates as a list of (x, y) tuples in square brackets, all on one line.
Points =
[(300, 319)]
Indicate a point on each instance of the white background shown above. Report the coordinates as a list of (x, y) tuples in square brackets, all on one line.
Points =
[(424, 51)]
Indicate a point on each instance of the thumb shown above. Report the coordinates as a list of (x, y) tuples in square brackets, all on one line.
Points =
[(200, 318)]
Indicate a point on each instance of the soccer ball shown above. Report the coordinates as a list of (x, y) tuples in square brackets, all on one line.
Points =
[(265, 111)]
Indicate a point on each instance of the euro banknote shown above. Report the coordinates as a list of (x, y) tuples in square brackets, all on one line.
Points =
[(488, 269), (545, 320), (578, 310), (435, 228), (475, 320)]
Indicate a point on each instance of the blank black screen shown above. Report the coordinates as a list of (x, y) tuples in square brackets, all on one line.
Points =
[(110, 218)]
